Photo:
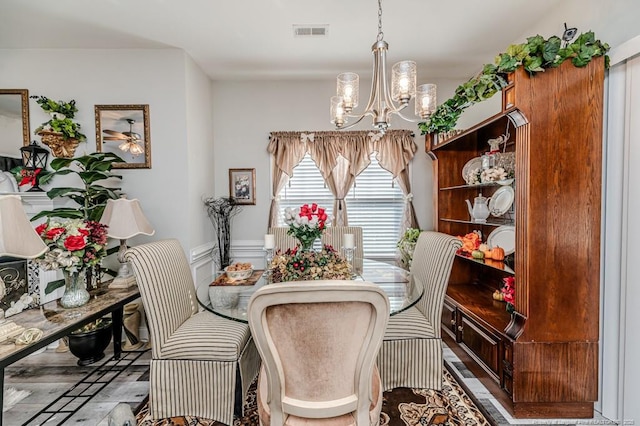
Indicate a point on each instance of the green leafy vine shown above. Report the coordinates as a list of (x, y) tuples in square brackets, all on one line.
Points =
[(536, 55)]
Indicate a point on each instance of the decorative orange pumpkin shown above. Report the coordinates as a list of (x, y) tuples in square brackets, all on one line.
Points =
[(497, 253)]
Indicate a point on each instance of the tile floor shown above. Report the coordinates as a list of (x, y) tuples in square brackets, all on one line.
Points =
[(49, 374)]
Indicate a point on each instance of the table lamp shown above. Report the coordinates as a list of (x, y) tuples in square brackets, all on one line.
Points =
[(17, 239), (125, 220)]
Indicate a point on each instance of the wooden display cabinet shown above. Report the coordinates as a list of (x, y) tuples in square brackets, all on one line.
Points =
[(545, 355)]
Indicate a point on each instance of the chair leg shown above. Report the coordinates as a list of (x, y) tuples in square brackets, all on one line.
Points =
[(239, 400)]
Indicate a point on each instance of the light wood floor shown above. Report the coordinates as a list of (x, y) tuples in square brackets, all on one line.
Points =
[(49, 374)]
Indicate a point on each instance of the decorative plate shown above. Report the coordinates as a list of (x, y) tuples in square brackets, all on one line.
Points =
[(467, 171), (505, 237), (501, 201)]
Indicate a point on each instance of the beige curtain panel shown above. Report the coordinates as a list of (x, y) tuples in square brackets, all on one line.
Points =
[(340, 157)]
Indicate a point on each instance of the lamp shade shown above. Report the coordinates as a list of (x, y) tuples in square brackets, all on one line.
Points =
[(125, 219), (17, 236)]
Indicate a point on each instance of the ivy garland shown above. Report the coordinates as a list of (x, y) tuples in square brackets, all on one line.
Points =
[(535, 55)]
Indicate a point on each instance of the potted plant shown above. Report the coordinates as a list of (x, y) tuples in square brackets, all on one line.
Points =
[(89, 342), (60, 132), (92, 169), (406, 246), (91, 198)]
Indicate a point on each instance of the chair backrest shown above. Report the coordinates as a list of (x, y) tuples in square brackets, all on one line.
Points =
[(166, 287), (319, 342), (283, 240), (431, 268), (333, 236)]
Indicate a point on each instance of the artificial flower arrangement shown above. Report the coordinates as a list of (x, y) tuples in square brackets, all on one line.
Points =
[(306, 223), (508, 291), (296, 265), (74, 245)]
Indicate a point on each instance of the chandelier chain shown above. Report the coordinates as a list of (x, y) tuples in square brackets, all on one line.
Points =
[(380, 33)]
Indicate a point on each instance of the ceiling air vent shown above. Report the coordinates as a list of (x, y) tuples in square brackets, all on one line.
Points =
[(310, 30)]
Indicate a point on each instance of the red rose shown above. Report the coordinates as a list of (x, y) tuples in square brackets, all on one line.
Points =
[(75, 242), (40, 228), (84, 232), (320, 211), (314, 207), (54, 233)]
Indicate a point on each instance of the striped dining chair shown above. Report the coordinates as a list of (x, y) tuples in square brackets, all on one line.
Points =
[(283, 240), (198, 359), (334, 235), (411, 354)]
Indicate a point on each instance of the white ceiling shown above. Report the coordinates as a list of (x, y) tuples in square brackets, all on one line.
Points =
[(254, 38)]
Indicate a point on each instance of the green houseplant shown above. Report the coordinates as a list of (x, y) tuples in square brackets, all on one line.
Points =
[(535, 55), (92, 197), (406, 246), (60, 133), (61, 121)]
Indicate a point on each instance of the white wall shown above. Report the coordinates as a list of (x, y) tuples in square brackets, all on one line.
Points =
[(177, 116), (264, 106)]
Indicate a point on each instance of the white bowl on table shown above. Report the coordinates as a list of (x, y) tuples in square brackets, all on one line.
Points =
[(237, 275)]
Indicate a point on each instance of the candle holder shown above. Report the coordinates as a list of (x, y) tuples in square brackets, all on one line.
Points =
[(268, 258), (348, 255)]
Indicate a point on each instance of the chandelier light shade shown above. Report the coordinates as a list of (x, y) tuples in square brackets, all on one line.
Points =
[(348, 90), (384, 101), (125, 220), (425, 100)]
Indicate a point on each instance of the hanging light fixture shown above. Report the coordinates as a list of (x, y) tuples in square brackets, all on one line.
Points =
[(382, 102)]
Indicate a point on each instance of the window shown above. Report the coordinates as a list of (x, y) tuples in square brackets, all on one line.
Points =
[(374, 203)]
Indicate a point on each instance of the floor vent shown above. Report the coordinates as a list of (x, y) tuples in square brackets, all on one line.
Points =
[(310, 30)]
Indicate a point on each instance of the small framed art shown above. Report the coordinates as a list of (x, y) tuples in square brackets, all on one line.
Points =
[(242, 186), (124, 131)]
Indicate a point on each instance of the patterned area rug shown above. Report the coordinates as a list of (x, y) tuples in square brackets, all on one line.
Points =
[(401, 407)]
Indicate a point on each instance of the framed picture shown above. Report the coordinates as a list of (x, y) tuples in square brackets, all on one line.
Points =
[(13, 280), (124, 131), (242, 185)]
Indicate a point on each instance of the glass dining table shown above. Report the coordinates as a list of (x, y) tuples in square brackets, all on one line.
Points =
[(230, 301)]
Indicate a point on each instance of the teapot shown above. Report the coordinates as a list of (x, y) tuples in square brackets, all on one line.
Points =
[(480, 210)]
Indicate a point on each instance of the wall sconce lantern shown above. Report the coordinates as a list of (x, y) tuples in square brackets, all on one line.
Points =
[(34, 159)]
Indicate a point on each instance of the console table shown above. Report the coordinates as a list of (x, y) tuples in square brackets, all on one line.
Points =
[(57, 322)]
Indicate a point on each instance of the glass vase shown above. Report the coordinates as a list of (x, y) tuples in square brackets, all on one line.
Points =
[(306, 244), (75, 289)]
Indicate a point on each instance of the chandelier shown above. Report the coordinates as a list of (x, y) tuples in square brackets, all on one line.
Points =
[(382, 103)]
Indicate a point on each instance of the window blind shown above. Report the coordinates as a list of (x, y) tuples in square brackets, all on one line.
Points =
[(375, 203)]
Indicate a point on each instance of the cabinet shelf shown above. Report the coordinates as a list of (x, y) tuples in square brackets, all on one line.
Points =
[(478, 301), (489, 263), (478, 185), (492, 222)]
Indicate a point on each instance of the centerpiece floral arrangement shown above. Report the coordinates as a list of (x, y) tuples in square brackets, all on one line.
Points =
[(306, 224), (296, 265)]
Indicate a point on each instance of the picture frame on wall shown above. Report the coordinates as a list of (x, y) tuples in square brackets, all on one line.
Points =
[(242, 186), (124, 131)]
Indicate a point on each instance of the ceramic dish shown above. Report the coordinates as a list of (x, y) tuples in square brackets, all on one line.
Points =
[(240, 274), (469, 167), (505, 237), (501, 201)]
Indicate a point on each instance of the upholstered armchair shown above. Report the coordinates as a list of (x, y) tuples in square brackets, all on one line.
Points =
[(283, 240), (333, 236), (198, 359), (319, 342), (411, 353)]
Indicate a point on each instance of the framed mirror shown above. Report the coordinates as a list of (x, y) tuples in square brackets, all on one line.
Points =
[(14, 124)]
